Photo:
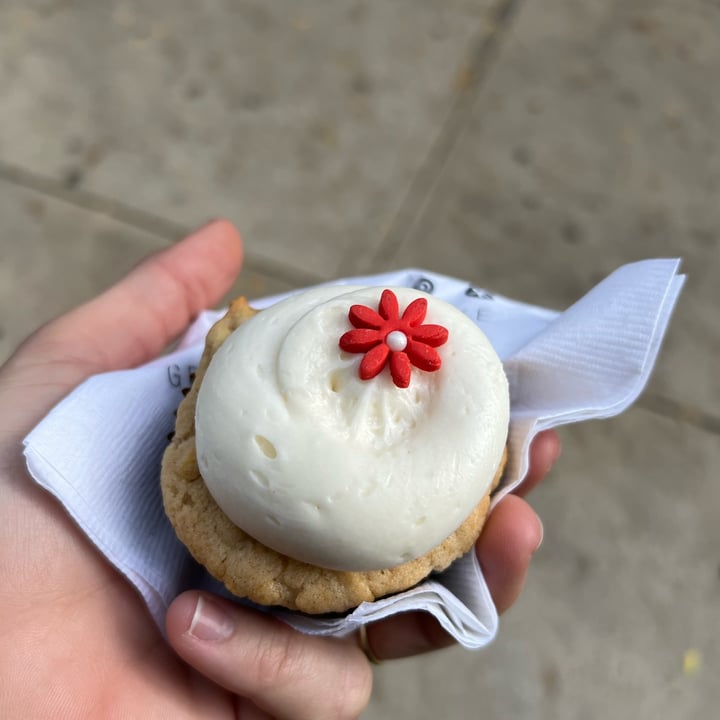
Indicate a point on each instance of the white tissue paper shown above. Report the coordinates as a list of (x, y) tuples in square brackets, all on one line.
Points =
[(99, 450)]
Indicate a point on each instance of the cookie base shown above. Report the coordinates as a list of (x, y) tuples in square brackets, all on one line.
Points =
[(252, 570)]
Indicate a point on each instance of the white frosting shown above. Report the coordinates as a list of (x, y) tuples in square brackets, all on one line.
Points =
[(341, 472)]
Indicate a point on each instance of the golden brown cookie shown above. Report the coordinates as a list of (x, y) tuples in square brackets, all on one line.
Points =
[(252, 570)]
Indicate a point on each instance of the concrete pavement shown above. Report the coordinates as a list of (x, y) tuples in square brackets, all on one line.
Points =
[(529, 147)]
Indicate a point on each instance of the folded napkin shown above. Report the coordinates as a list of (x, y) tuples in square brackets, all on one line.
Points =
[(99, 450)]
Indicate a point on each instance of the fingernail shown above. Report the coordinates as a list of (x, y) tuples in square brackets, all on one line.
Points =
[(542, 534), (210, 622)]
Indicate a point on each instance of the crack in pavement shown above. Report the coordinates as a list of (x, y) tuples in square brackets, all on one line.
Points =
[(689, 414), (142, 220), (480, 59), (161, 227)]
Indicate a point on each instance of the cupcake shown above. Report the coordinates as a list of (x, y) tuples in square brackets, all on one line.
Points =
[(338, 447)]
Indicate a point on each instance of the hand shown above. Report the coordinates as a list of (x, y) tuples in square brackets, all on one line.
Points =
[(77, 640)]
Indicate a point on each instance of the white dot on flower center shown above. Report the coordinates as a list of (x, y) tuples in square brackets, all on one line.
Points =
[(396, 341)]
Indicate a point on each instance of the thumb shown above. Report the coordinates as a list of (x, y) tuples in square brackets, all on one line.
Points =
[(124, 326), (133, 320), (285, 673)]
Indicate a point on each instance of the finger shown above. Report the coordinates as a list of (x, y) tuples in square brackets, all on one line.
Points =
[(284, 673), (544, 452), (127, 325), (135, 319), (512, 535)]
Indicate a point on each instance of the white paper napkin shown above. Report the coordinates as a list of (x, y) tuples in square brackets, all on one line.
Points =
[(99, 450)]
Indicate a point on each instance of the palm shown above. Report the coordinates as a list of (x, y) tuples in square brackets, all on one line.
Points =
[(130, 670), (78, 630), (82, 633)]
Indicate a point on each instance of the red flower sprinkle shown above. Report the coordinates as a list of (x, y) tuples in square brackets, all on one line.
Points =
[(384, 336)]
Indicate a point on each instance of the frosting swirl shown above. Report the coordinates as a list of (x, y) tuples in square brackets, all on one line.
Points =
[(340, 472)]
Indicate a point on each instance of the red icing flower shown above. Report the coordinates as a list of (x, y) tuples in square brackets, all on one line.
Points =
[(386, 336)]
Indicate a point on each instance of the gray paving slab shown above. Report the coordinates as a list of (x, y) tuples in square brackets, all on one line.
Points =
[(54, 255), (620, 615), (302, 123), (592, 144)]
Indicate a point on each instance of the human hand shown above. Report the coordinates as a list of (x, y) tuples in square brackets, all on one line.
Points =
[(77, 641)]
